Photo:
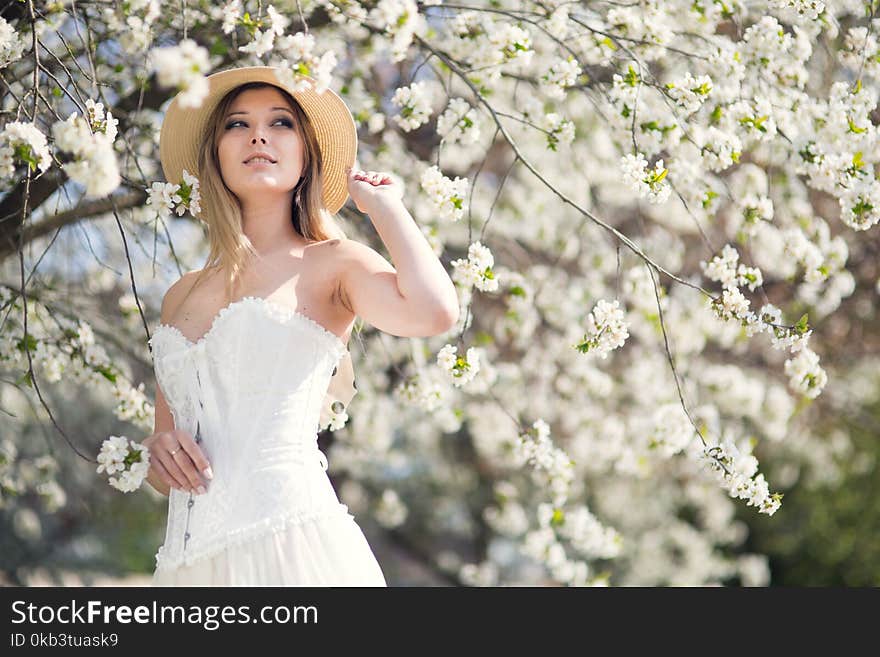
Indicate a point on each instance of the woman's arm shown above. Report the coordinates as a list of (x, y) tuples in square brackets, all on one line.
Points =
[(413, 298)]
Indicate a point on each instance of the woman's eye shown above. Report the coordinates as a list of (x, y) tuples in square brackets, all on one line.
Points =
[(286, 122)]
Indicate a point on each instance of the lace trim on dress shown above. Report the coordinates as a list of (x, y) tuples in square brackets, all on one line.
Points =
[(282, 314), (274, 524)]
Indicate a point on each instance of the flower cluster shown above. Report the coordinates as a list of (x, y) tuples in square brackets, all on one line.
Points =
[(24, 143), (671, 430), (167, 197), (534, 447), (562, 74), (461, 369), (477, 269), (448, 196), (421, 391), (402, 20), (183, 67), (832, 153), (458, 123), (90, 142), (230, 15), (12, 46), (262, 41), (727, 270), (811, 9), (755, 208), (126, 458), (586, 535), (487, 45), (805, 374), (132, 23), (558, 128), (607, 329), (415, 106), (298, 56), (861, 48), (646, 182), (293, 54), (804, 371), (690, 92), (736, 471), (718, 148)]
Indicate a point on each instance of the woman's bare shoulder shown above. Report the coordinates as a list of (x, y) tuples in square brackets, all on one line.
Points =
[(177, 292)]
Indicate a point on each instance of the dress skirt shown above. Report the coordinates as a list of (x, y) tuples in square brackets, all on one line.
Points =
[(324, 551)]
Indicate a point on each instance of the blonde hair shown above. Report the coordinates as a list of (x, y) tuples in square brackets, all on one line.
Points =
[(230, 248)]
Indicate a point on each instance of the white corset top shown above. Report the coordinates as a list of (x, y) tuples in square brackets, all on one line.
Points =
[(249, 391)]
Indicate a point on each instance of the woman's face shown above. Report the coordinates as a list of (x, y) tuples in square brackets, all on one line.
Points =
[(260, 120)]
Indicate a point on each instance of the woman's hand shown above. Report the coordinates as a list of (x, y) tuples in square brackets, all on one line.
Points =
[(372, 191), (177, 461)]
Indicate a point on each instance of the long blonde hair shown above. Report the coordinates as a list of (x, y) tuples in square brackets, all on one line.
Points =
[(230, 248)]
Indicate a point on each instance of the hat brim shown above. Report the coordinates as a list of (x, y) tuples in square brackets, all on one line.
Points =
[(183, 128)]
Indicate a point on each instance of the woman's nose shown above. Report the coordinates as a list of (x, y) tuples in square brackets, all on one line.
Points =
[(258, 133)]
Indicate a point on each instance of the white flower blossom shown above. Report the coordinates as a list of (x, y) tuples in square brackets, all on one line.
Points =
[(231, 14), (535, 447), (648, 183), (811, 9), (183, 67), (415, 103), (563, 73), (458, 123), (12, 46), (23, 143), (805, 374), (461, 369), (723, 267), (736, 472), (690, 92), (607, 328), (90, 142), (477, 269), (168, 197), (448, 196), (129, 460)]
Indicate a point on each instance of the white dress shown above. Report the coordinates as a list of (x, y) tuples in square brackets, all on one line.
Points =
[(250, 392)]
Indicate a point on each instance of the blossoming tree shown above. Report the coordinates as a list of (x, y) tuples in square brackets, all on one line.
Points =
[(648, 209)]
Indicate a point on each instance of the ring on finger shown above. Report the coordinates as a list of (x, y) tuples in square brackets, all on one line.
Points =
[(174, 451)]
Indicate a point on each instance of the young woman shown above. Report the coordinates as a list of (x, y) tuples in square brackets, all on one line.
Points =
[(251, 353)]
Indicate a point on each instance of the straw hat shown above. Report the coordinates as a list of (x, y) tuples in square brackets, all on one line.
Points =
[(183, 128)]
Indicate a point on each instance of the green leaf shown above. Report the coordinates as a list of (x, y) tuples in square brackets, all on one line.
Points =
[(218, 48), (854, 128)]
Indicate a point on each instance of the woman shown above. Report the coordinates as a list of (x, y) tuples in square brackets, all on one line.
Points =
[(247, 347)]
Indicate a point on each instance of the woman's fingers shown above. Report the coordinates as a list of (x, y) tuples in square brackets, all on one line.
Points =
[(198, 460), (177, 459), (189, 457), (374, 177), (167, 479), (179, 479)]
